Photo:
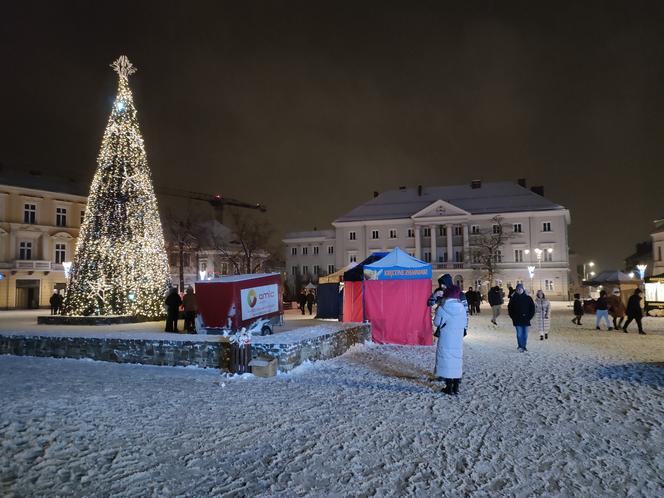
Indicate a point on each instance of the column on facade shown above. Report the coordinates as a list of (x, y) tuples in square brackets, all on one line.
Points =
[(466, 244), (433, 244), (450, 256), (44, 247), (11, 250), (418, 243)]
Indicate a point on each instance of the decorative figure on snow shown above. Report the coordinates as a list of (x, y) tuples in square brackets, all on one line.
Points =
[(120, 266)]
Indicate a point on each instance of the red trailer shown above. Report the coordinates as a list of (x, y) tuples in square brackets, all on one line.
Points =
[(240, 300)]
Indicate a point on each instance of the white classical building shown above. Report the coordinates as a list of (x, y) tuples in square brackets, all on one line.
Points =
[(440, 225), (658, 248)]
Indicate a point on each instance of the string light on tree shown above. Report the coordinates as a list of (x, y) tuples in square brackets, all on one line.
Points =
[(120, 266)]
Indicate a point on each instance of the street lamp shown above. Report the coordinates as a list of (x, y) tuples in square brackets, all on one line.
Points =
[(585, 273), (642, 270), (531, 274)]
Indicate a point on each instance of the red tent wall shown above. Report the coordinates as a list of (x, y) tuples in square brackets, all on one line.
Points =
[(398, 312), (353, 302)]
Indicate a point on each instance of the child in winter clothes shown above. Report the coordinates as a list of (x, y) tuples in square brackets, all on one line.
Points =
[(578, 309), (542, 315)]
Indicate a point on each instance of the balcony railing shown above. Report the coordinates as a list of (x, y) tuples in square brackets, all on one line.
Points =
[(31, 264)]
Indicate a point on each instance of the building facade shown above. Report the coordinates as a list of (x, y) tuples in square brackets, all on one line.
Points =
[(658, 248), (38, 231), (445, 226)]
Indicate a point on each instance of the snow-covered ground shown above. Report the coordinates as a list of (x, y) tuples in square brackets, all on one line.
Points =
[(578, 415)]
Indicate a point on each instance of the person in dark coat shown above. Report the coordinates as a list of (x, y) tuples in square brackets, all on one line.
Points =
[(173, 303), (634, 311), (602, 311), (311, 299), (521, 309), (55, 302), (302, 300), (190, 305), (445, 282), (578, 309), (471, 297), (510, 292), (495, 301)]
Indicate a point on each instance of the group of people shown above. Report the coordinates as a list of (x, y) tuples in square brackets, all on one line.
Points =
[(614, 307), (188, 304), (56, 302), (306, 299), (474, 298)]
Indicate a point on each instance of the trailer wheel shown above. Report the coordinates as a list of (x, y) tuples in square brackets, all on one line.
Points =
[(266, 330)]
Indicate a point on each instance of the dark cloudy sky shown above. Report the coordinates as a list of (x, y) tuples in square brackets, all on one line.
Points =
[(311, 106)]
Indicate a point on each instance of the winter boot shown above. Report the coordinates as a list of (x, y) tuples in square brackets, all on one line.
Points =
[(455, 386), (642, 332), (448, 386)]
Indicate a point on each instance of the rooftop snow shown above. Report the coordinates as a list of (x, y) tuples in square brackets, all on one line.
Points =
[(497, 197)]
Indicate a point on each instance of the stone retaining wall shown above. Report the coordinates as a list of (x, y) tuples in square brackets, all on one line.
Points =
[(200, 353)]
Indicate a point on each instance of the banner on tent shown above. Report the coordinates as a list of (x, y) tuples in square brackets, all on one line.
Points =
[(397, 273)]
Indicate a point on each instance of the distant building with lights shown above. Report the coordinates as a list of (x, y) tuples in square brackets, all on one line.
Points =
[(658, 248), (39, 221), (442, 225)]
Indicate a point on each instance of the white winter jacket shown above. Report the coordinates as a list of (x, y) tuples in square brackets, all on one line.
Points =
[(452, 319), (543, 315)]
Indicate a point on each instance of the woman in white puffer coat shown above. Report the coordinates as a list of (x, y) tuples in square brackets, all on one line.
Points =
[(542, 315), (452, 320)]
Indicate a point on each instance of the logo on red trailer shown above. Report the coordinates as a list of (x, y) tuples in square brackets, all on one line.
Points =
[(251, 298)]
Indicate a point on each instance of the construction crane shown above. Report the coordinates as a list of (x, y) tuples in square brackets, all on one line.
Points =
[(218, 202)]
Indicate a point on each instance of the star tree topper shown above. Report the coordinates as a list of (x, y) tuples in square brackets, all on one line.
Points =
[(123, 67)]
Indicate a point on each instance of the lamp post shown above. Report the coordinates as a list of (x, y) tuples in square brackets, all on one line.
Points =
[(531, 274), (642, 270), (585, 273), (539, 253)]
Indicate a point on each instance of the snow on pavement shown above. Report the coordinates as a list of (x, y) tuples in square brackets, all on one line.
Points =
[(578, 415)]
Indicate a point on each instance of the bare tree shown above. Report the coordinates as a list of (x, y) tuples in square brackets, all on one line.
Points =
[(247, 245), (184, 236), (486, 247)]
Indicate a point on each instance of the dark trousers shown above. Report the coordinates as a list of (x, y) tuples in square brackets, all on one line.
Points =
[(172, 320), (577, 319), (617, 322), (302, 307), (637, 319), (54, 310), (190, 321), (310, 307)]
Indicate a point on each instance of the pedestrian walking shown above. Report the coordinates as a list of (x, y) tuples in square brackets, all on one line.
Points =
[(302, 300), (578, 309), (190, 305), (173, 303), (542, 315), (470, 297), (634, 311), (602, 311), (496, 302), (521, 309), (616, 308), (451, 321), (311, 299)]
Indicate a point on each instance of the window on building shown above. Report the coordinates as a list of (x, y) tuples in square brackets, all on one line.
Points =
[(294, 270), (173, 259), (410, 252), (546, 226), (496, 228), (186, 260), (659, 253), (474, 229), (30, 213), (330, 249), (458, 230), (548, 256), (82, 216), (293, 251), (393, 233), (316, 250), (374, 234), (305, 270), (330, 269), (548, 285), (352, 235), (441, 230), (517, 228), (427, 232), (444, 230), (305, 251), (61, 217), (458, 257), (411, 233), (498, 256), (316, 270), (427, 256), (60, 253), (25, 250), (445, 257), (478, 284), (518, 255), (352, 258), (476, 258)]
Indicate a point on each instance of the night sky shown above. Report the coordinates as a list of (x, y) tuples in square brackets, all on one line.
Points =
[(310, 106)]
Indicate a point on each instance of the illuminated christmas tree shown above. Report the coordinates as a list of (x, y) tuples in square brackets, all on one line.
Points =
[(120, 266)]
